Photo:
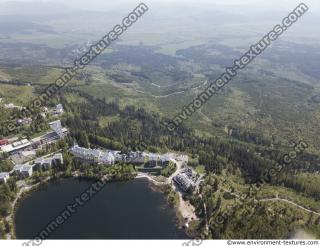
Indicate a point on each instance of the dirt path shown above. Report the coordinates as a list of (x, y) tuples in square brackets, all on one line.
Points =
[(162, 96), (150, 178), (290, 202), (279, 199), (171, 94)]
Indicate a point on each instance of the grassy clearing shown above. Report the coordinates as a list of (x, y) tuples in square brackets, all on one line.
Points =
[(200, 169), (19, 95)]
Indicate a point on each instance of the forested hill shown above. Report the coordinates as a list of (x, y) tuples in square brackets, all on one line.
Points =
[(129, 127)]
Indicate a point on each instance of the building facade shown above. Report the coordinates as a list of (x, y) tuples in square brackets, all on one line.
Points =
[(4, 177), (93, 155)]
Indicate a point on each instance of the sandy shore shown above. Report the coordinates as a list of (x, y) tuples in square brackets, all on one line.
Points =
[(186, 209)]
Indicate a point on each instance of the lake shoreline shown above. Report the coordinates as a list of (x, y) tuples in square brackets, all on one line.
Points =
[(25, 191), (185, 212)]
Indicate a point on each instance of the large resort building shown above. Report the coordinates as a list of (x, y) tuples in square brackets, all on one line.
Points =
[(110, 157), (184, 182), (132, 157), (93, 155)]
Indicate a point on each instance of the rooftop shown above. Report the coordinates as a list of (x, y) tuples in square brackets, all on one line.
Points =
[(15, 146), (17, 167), (47, 161), (153, 157), (184, 180), (26, 168), (4, 175), (39, 160), (57, 156), (85, 152)]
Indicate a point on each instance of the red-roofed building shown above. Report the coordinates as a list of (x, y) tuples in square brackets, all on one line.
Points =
[(4, 142)]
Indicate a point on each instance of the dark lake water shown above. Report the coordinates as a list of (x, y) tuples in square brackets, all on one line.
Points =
[(129, 210)]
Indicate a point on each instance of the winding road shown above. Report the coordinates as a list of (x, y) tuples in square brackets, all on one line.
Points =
[(279, 199), (290, 202)]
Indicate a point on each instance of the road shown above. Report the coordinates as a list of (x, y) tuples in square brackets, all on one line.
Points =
[(290, 202), (279, 199), (169, 179), (178, 170), (149, 177), (171, 94)]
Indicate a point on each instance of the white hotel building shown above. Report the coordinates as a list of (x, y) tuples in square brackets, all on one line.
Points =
[(93, 155), (23, 171)]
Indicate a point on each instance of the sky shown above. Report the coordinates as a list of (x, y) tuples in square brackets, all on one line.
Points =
[(254, 8), (98, 4)]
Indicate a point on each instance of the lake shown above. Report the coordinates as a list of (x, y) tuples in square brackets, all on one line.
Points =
[(131, 210)]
